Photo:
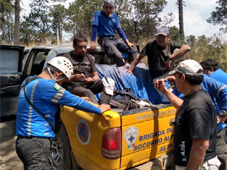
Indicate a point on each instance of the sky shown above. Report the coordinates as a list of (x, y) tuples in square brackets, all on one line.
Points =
[(196, 12)]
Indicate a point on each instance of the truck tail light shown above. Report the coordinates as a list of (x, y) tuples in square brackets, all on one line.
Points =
[(111, 143)]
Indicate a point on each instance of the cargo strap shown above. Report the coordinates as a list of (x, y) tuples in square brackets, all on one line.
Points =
[(28, 80)]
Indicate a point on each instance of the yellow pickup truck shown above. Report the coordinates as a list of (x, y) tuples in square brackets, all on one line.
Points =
[(134, 139), (121, 140)]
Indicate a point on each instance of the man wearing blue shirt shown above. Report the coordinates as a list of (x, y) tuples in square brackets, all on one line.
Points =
[(105, 23), (38, 103), (211, 69)]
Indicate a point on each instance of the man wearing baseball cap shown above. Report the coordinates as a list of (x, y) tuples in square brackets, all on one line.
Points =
[(196, 121), (105, 23), (160, 53)]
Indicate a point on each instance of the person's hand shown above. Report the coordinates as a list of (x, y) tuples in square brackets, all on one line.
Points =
[(168, 64), (130, 44), (170, 78), (93, 45), (160, 85), (85, 98), (221, 118), (89, 80), (104, 107), (128, 71), (78, 77)]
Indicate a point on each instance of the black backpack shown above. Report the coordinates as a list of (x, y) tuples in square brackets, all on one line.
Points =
[(125, 99)]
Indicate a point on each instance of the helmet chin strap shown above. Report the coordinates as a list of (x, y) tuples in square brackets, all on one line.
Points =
[(52, 76)]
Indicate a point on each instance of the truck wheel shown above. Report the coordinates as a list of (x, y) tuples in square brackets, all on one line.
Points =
[(75, 166), (68, 162)]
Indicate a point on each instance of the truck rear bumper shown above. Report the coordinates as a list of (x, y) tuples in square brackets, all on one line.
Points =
[(165, 162)]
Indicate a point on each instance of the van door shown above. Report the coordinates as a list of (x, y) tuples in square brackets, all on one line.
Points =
[(35, 62), (10, 78)]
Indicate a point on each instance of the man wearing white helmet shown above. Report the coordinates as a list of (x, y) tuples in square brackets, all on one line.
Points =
[(38, 105)]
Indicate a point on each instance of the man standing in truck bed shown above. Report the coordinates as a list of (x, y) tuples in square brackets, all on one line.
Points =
[(160, 53), (105, 22)]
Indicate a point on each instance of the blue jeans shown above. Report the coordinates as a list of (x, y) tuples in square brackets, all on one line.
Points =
[(113, 49), (35, 153)]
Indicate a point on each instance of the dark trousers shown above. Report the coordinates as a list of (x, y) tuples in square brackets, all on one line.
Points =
[(83, 90), (35, 153), (221, 146), (113, 48)]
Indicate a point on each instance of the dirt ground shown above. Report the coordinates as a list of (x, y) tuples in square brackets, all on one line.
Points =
[(8, 157)]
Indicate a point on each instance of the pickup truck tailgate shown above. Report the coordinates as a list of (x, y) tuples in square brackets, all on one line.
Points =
[(146, 135), (85, 132)]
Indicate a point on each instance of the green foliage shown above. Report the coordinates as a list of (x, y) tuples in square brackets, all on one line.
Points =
[(175, 35), (57, 12), (6, 21), (54, 41), (219, 16), (27, 33), (139, 20), (38, 22), (203, 48), (79, 16), (143, 19)]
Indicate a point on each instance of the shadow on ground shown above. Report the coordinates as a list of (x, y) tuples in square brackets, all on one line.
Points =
[(8, 157)]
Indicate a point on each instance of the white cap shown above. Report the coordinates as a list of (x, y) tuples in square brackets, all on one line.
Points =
[(109, 2), (108, 84), (188, 67), (63, 64), (162, 31)]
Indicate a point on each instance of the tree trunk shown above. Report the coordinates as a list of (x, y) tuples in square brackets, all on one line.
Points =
[(59, 32), (17, 23), (181, 22), (3, 32)]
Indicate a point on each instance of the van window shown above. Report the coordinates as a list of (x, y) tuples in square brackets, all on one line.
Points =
[(37, 61), (9, 60)]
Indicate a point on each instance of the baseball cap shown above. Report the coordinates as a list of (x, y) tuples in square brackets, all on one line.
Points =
[(109, 2), (162, 31), (188, 67)]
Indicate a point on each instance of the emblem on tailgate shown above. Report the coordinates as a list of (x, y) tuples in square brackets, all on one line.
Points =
[(130, 136), (83, 132)]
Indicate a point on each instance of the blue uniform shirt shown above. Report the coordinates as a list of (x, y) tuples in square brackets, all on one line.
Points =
[(46, 96), (219, 75), (106, 25)]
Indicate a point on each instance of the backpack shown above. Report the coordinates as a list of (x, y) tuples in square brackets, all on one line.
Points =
[(125, 99)]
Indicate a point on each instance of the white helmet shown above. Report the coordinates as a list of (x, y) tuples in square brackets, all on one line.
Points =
[(63, 64)]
